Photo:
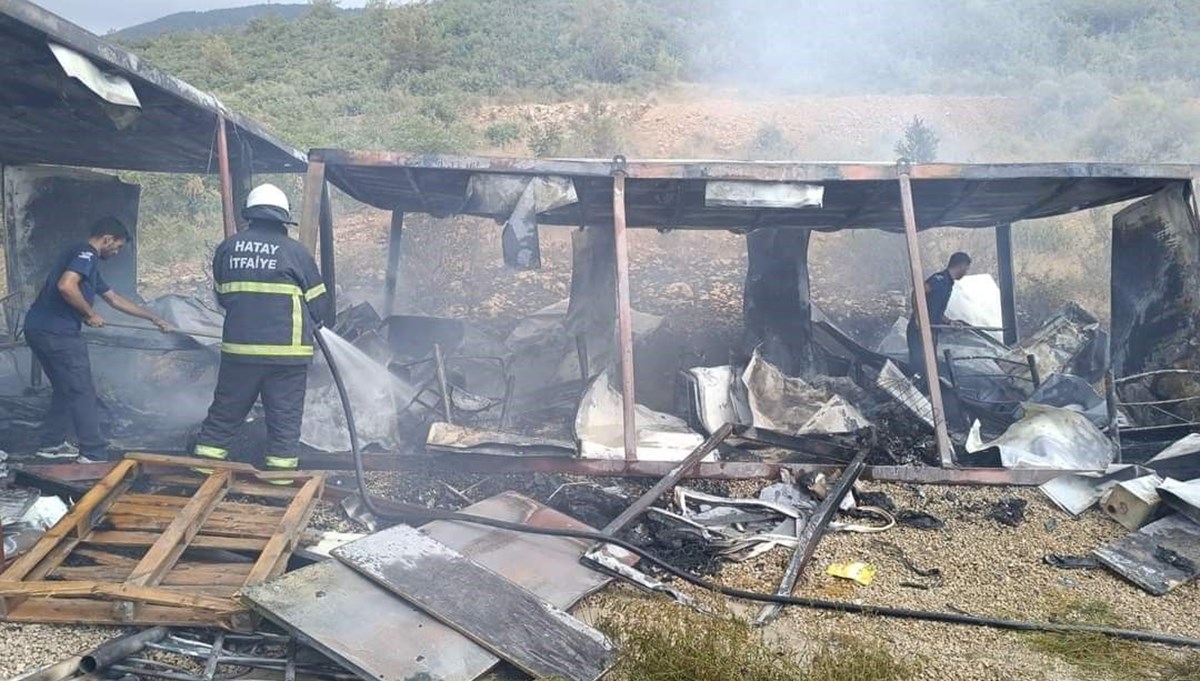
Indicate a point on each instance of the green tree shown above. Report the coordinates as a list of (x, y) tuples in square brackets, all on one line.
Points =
[(919, 142)]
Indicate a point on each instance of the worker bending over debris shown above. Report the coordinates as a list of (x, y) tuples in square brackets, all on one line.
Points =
[(938, 288), (271, 290), (53, 331)]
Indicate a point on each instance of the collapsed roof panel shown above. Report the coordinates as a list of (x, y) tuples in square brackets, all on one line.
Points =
[(69, 98), (675, 194)]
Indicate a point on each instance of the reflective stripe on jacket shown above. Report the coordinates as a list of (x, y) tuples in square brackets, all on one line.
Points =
[(270, 288)]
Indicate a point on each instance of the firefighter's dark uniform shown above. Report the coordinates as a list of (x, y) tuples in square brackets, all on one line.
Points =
[(271, 290), (941, 285)]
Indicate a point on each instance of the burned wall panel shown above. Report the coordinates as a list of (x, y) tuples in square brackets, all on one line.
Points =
[(777, 309), (47, 209), (1156, 290)]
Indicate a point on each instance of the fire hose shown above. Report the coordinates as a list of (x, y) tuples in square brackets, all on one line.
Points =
[(812, 603)]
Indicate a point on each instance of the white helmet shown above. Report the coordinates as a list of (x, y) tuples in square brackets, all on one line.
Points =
[(268, 202)]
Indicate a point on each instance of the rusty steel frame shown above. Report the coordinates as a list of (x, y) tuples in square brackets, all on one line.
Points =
[(753, 170), (624, 318), (487, 464), (227, 211), (941, 433)]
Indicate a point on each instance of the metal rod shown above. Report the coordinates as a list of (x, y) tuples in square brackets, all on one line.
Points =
[(487, 464), (944, 446), (393, 262), (214, 658), (808, 539), (669, 480), (443, 384), (1033, 370), (1159, 372), (1008, 283), (1110, 401), (624, 318), (325, 233), (230, 219), (116, 650), (138, 327)]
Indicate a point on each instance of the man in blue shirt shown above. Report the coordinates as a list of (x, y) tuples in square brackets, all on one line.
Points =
[(53, 326), (938, 288)]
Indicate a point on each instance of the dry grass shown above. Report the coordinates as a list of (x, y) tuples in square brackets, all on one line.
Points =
[(682, 645), (1097, 654)]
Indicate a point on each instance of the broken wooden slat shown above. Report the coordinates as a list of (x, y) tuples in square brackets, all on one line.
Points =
[(183, 574), (108, 590), (239, 486), (273, 558), (219, 516), (201, 541), (171, 544), (55, 545), (346, 628), (167, 501), (511, 622), (1158, 557), (218, 528), (84, 611)]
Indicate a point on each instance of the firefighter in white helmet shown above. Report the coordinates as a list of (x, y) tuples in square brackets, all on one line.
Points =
[(273, 296)]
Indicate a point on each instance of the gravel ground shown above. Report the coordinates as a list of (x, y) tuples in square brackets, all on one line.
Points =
[(25, 647), (988, 569)]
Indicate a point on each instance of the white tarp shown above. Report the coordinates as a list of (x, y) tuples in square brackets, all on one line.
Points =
[(110, 87), (779, 402), (599, 427), (1049, 437), (976, 301), (738, 194)]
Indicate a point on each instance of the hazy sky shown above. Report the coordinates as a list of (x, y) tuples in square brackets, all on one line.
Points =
[(102, 16)]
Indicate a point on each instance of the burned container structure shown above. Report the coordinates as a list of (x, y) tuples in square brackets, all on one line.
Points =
[(75, 110), (777, 205)]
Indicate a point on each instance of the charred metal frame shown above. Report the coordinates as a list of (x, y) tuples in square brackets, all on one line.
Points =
[(619, 170)]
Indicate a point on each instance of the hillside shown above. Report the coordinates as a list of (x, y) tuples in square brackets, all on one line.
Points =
[(208, 21), (826, 80)]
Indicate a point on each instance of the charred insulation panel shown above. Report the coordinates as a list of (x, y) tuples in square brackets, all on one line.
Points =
[(46, 209), (1155, 284), (776, 306)]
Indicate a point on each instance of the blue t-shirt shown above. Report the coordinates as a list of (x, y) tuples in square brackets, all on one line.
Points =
[(51, 312)]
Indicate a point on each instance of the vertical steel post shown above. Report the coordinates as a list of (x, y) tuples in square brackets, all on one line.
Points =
[(945, 447), (230, 219), (1008, 283), (310, 207), (393, 262), (624, 316), (328, 260)]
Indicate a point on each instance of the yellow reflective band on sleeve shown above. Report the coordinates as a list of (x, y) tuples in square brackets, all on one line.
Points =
[(314, 291), (297, 321), (259, 287), (277, 462), (267, 350), (211, 452)]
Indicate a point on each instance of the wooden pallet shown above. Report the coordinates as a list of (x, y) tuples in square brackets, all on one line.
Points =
[(126, 557)]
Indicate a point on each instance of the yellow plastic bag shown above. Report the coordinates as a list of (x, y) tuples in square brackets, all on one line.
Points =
[(863, 573)]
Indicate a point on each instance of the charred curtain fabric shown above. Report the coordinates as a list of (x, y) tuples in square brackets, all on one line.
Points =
[(776, 308), (1156, 287)]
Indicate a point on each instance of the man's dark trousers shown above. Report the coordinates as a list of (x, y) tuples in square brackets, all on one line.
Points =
[(64, 358), (239, 384)]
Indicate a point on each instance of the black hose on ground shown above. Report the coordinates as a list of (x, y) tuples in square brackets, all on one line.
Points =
[(814, 603)]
